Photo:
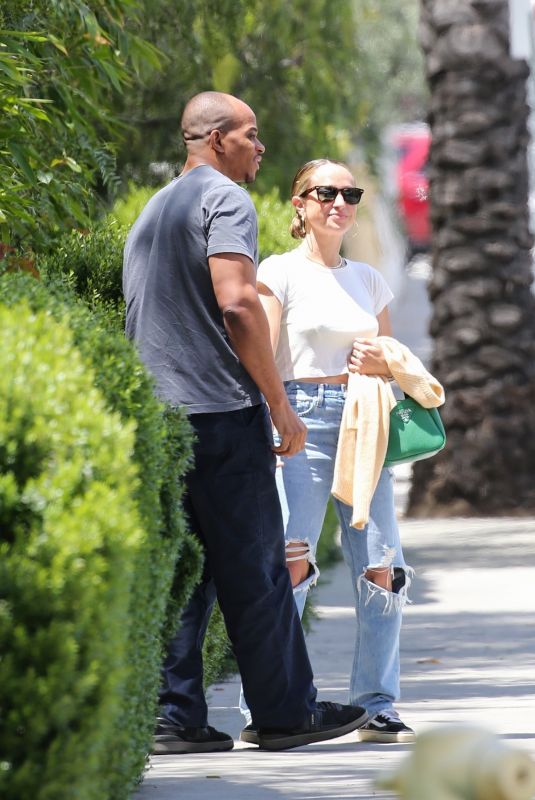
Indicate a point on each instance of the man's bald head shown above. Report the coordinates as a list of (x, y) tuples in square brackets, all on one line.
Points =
[(220, 131), (210, 111)]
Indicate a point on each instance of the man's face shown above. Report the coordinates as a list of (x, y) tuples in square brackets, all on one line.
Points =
[(243, 149)]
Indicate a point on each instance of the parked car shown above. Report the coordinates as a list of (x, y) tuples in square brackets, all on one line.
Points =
[(407, 149)]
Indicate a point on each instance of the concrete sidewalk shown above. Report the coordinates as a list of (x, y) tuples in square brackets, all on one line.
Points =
[(468, 656)]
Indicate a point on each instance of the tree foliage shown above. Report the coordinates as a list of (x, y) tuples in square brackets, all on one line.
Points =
[(62, 64), (82, 81), (319, 76), (294, 63), (390, 68)]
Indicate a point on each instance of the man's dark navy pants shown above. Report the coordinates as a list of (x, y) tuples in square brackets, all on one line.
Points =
[(233, 507)]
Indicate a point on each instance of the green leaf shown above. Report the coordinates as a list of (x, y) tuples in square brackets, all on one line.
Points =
[(44, 177), (20, 158), (90, 21), (31, 36), (72, 164), (8, 67), (112, 73), (68, 162), (58, 44)]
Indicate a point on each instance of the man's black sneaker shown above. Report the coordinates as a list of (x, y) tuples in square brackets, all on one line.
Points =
[(386, 727), (249, 734), (327, 721), (170, 738)]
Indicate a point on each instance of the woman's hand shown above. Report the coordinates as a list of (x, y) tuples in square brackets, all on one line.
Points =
[(367, 358)]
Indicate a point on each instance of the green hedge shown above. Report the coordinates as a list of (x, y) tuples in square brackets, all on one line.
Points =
[(127, 208), (70, 538), (274, 217), (90, 263), (162, 448), (328, 550)]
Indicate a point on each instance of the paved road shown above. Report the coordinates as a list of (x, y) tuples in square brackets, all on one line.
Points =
[(467, 650), (468, 656)]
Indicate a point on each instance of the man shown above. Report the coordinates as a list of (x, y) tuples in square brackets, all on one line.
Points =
[(193, 310)]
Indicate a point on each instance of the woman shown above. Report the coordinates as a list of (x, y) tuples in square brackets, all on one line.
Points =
[(325, 311)]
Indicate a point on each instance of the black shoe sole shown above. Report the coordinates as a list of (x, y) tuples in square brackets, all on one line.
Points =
[(251, 737), (285, 741), (170, 745)]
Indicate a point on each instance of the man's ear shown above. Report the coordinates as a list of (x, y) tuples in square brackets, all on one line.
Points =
[(215, 142)]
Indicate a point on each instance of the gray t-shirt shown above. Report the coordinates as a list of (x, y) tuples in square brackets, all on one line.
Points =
[(171, 309)]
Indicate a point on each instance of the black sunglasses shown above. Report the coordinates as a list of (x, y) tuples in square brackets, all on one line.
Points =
[(326, 194)]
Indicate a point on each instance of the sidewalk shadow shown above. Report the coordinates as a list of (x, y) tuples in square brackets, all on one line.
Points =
[(469, 655)]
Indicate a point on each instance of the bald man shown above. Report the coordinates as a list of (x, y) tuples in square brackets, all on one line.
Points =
[(192, 308)]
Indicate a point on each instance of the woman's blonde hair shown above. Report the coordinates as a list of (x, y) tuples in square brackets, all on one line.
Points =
[(300, 185)]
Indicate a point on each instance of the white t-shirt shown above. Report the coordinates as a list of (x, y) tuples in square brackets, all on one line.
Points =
[(323, 310)]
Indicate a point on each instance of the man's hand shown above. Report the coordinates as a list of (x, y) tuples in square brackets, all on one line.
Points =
[(367, 358), (291, 429)]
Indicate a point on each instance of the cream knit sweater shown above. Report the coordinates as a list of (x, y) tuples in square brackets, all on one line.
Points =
[(360, 458)]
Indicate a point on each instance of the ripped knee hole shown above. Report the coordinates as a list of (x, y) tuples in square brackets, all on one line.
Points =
[(298, 551), (397, 576)]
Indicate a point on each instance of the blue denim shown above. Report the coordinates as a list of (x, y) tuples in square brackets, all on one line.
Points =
[(304, 484)]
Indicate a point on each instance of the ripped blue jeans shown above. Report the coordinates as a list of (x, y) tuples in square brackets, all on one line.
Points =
[(304, 484)]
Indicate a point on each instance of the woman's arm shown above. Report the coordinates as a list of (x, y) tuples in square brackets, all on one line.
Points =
[(385, 326), (367, 356), (233, 278), (273, 309)]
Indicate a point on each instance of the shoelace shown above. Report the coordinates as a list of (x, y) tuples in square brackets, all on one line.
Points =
[(389, 715)]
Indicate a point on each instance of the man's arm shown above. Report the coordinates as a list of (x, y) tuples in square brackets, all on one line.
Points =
[(234, 282)]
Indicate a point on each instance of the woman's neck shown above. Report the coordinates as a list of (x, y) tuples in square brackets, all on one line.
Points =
[(325, 252)]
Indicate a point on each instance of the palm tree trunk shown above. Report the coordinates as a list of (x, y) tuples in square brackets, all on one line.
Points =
[(483, 320)]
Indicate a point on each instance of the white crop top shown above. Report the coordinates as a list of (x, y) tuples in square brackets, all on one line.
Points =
[(323, 310)]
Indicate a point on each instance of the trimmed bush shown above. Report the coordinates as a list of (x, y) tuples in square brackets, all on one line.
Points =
[(70, 535), (274, 217), (162, 450), (328, 551), (127, 208), (90, 263)]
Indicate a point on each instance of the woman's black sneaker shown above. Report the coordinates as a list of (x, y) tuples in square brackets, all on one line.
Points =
[(170, 739), (388, 728), (249, 734), (327, 721)]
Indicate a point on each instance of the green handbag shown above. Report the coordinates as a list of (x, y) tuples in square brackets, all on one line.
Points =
[(415, 433)]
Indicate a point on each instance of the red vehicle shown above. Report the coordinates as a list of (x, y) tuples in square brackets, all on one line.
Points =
[(410, 144)]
